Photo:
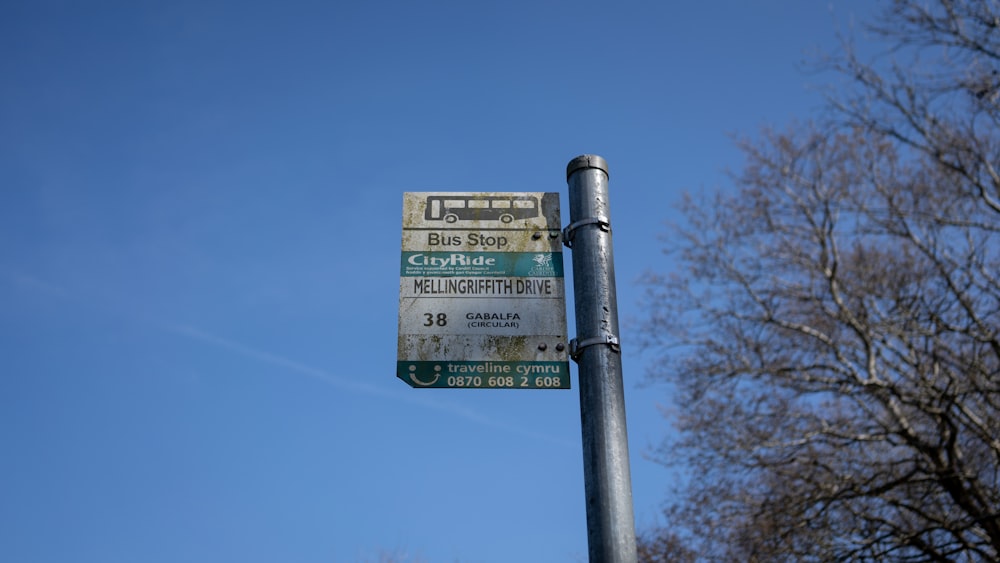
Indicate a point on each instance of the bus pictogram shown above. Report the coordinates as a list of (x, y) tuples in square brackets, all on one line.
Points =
[(503, 208)]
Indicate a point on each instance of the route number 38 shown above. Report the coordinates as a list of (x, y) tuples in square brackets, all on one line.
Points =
[(431, 319)]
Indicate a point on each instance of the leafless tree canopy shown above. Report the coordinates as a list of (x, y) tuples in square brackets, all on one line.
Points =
[(835, 337)]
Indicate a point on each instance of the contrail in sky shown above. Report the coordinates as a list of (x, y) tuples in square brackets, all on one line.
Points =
[(32, 283)]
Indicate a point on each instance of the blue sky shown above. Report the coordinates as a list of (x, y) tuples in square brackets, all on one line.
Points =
[(199, 240)]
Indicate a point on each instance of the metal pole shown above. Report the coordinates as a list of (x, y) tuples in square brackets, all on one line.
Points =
[(610, 519)]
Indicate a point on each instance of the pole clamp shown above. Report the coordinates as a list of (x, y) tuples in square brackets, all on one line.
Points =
[(601, 222), (576, 347)]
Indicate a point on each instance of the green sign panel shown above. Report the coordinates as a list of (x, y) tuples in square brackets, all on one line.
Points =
[(511, 264), (486, 375)]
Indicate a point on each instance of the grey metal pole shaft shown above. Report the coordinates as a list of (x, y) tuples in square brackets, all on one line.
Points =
[(608, 484)]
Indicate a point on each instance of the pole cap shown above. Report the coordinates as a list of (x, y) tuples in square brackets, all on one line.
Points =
[(587, 161)]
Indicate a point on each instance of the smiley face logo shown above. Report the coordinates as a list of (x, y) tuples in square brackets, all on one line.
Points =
[(415, 379)]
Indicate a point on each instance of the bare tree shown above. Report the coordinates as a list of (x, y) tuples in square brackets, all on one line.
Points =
[(835, 338)]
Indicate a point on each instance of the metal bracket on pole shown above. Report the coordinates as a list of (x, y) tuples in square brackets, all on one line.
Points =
[(576, 347), (570, 230)]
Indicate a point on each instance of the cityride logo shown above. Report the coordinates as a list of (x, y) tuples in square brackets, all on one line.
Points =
[(450, 261), (492, 264)]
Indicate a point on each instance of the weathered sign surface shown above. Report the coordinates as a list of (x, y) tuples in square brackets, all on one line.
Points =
[(482, 302)]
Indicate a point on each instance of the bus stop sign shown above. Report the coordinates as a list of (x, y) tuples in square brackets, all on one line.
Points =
[(482, 302)]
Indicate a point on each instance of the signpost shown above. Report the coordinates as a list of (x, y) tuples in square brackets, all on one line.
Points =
[(482, 302), (482, 305), (597, 350)]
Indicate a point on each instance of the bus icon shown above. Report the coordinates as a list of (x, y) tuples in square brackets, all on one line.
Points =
[(503, 208)]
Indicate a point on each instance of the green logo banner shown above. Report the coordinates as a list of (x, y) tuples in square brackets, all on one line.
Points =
[(494, 264), (485, 375)]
